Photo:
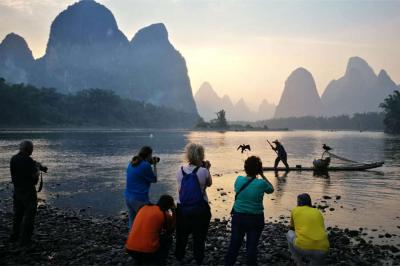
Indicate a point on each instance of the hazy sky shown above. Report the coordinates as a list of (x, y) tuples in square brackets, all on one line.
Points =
[(244, 48)]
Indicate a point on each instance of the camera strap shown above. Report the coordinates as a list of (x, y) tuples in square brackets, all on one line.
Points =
[(41, 182), (244, 186), (240, 190)]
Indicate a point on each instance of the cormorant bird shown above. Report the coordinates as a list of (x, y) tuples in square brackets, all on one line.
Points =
[(244, 147), (326, 147)]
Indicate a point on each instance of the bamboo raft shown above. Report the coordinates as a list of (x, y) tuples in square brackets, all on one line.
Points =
[(349, 167)]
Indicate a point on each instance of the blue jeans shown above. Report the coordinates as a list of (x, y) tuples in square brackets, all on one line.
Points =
[(245, 224), (133, 207)]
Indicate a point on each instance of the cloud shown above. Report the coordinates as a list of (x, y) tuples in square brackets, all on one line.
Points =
[(29, 6)]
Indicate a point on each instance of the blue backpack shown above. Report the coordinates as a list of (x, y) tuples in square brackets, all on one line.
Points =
[(190, 194)]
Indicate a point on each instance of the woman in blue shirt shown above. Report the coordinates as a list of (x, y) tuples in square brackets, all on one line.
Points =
[(139, 177), (248, 211)]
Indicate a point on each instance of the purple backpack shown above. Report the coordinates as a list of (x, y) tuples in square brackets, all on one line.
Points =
[(190, 194)]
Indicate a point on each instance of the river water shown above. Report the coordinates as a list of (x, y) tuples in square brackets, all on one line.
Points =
[(87, 170)]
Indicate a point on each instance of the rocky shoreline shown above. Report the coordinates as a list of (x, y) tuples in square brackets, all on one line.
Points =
[(72, 238)]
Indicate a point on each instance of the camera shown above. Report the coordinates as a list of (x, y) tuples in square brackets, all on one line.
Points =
[(155, 160), (205, 164), (41, 167)]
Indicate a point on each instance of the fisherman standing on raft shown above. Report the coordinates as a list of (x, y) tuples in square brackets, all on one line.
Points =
[(282, 155)]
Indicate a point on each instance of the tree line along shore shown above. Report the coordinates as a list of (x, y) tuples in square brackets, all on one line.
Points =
[(26, 106)]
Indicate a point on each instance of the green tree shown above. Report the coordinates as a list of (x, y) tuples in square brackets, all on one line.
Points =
[(391, 107), (220, 121), (27, 106), (201, 123)]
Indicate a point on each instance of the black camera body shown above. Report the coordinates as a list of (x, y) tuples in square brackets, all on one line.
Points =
[(155, 160), (41, 167), (205, 164)]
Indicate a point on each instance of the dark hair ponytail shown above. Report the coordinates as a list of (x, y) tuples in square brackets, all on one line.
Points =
[(165, 202), (144, 152)]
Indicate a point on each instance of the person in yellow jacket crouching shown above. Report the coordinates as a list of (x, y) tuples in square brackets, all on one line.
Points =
[(309, 239)]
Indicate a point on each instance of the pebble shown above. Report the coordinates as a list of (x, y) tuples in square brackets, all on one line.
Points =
[(74, 238)]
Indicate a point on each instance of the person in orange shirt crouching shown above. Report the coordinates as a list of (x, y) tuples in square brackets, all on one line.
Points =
[(150, 237)]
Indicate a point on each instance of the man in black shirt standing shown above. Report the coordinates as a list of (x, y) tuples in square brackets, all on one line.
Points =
[(24, 175), (282, 155)]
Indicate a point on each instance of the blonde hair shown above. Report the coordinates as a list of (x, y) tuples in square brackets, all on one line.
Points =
[(194, 153)]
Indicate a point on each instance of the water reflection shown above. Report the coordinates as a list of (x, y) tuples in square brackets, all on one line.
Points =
[(87, 169), (280, 184)]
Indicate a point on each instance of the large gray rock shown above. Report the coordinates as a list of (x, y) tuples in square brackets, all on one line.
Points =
[(83, 50), (227, 105), (385, 86), (208, 102), (266, 110), (87, 50), (359, 90), (242, 112), (158, 72), (300, 96), (16, 60)]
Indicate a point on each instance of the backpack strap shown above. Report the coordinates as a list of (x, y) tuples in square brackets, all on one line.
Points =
[(183, 172), (194, 171), (197, 178), (244, 186)]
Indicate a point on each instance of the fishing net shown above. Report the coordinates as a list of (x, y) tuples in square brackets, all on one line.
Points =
[(336, 162), (336, 159), (329, 159), (339, 161)]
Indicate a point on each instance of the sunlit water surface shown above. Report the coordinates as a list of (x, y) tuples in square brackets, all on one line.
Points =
[(87, 170)]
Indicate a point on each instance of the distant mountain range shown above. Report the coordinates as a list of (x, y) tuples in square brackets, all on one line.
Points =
[(208, 103), (360, 90), (87, 50)]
